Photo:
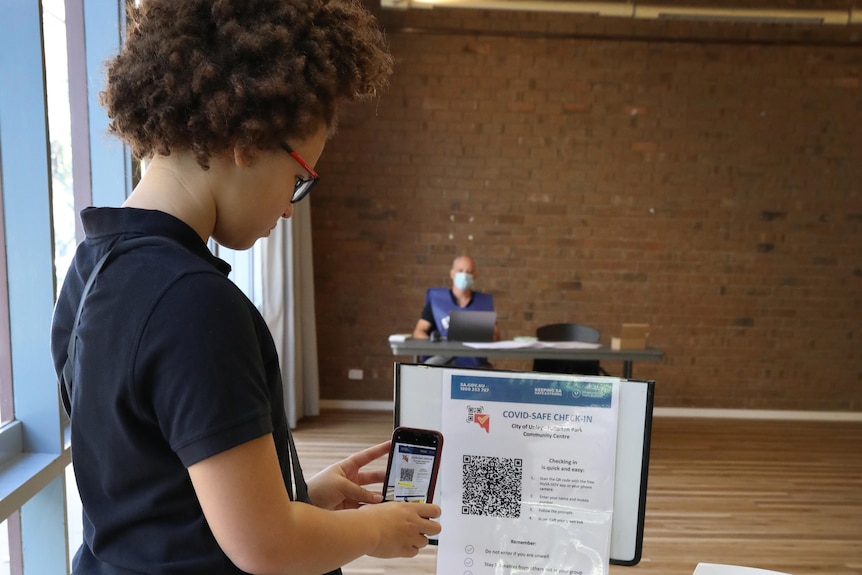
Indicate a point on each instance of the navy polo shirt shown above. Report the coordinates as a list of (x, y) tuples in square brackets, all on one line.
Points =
[(174, 365)]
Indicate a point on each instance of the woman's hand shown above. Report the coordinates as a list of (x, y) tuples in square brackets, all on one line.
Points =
[(339, 486)]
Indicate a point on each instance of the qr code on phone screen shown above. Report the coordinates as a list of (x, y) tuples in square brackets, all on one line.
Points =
[(491, 486)]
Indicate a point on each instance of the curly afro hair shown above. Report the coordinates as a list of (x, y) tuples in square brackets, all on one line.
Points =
[(209, 75)]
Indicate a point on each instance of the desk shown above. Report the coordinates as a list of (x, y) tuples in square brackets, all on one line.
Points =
[(419, 347)]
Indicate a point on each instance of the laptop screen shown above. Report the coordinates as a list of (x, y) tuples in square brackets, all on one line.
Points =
[(473, 326)]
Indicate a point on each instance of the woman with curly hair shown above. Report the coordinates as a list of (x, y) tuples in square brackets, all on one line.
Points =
[(180, 444)]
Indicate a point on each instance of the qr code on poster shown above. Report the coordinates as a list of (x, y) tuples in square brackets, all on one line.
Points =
[(491, 486)]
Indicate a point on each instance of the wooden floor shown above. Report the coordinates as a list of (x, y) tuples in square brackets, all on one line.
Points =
[(781, 495)]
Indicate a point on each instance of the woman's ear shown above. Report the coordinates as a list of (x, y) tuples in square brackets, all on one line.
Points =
[(243, 157)]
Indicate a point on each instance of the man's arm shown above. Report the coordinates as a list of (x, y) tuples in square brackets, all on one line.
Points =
[(425, 325), (423, 329)]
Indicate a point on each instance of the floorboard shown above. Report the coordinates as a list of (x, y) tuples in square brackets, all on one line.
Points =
[(780, 495)]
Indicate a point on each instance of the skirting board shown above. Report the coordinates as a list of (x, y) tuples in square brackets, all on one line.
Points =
[(693, 412), (787, 415), (355, 405)]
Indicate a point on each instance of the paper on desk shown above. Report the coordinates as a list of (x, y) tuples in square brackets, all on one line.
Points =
[(509, 344)]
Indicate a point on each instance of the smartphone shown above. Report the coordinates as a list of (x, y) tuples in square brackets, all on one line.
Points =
[(414, 460)]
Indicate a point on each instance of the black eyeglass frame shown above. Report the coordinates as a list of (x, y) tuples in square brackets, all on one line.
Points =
[(303, 186)]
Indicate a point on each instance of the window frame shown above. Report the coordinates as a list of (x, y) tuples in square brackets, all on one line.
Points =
[(33, 452)]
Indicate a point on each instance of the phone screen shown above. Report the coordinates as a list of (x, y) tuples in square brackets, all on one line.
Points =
[(413, 463)]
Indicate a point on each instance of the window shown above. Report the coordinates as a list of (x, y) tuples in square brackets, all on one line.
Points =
[(38, 203), (60, 130)]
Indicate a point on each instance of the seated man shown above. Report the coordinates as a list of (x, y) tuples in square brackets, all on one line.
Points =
[(440, 301)]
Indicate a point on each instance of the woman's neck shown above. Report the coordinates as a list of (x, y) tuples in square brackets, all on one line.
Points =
[(177, 185)]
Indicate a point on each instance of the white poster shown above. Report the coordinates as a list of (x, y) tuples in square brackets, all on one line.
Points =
[(527, 474)]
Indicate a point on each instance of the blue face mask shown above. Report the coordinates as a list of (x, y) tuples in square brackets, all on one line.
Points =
[(463, 280)]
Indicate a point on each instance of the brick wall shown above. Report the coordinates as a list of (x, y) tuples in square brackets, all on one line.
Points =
[(704, 179)]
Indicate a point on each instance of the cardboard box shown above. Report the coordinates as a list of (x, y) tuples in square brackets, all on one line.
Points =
[(620, 343), (632, 336), (635, 331)]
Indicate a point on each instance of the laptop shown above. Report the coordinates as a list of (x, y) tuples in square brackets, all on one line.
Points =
[(472, 326)]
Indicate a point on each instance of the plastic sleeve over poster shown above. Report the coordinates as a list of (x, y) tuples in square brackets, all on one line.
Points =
[(529, 478)]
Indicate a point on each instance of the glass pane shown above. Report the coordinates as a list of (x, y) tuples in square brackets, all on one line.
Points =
[(4, 549), (73, 513), (59, 126)]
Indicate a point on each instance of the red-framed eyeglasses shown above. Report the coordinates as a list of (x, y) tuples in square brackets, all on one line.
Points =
[(303, 185)]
